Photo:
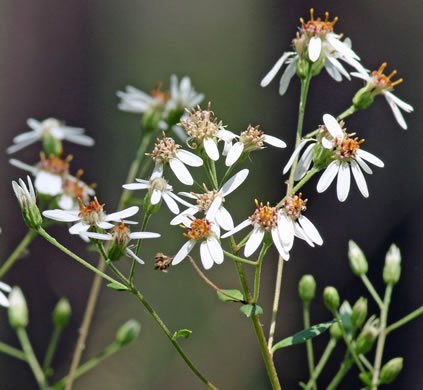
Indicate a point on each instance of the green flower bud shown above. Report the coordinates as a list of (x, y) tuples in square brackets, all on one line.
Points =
[(62, 313), (392, 269), (335, 331), (331, 298), (52, 145), (317, 66), (358, 262), (322, 157), (359, 313), (367, 337), (18, 310), (28, 203), (363, 98), (303, 67), (391, 370), (128, 332), (307, 288)]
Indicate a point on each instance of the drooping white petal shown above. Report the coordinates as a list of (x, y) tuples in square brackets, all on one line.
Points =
[(333, 126), (107, 225), (370, 158), (3, 300), (359, 179), (332, 71), (211, 148), (215, 250), (363, 165), (61, 215), (80, 139), (295, 154), (180, 217), (98, 236), (286, 78), (143, 235), (400, 103), (341, 47), (211, 212), (178, 199), (206, 257), (344, 181), (156, 196), (49, 184), (254, 241), (234, 182), (314, 48), (79, 227), (276, 142), (338, 66), (304, 163), (286, 230), (237, 228), (327, 143), (234, 153), (189, 158), (397, 113), (170, 203), (224, 219), (181, 171), (277, 240), (363, 76), (275, 69), (183, 252), (118, 215), (131, 254), (27, 136), (327, 177), (22, 165), (18, 146), (300, 233), (310, 230)]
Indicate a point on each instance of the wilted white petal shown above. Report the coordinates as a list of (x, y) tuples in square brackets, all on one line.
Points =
[(341, 47), (237, 228), (310, 230), (211, 148), (181, 172), (332, 71), (183, 252), (275, 69), (343, 182), (359, 179), (328, 175), (400, 103), (234, 153), (397, 113), (276, 142), (370, 158), (300, 233), (314, 48), (254, 241), (117, 216), (338, 66), (189, 158), (279, 245), (286, 77), (134, 256)]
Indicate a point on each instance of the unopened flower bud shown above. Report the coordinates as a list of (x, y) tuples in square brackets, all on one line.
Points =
[(120, 242), (52, 145), (391, 370), (307, 288), (303, 67), (363, 98), (18, 310), (358, 262), (128, 332), (367, 337), (392, 269), (335, 331), (331, 298), (359, 313), (62, 313), (28, 203)]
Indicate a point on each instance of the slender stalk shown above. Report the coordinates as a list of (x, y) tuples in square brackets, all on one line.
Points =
[(214, 174), (210, 175), (12, 351), (240, 259), (32, 359), (51, 349), (309, 345), (345, 367), (258, 272), (322, 362), (89, 365), (404, 320), (382, 336), (372, 290), (276, 298), (15, 255), (368, 365), (349, 111)]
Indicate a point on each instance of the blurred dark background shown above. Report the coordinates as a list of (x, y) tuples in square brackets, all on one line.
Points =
[(68, 59)]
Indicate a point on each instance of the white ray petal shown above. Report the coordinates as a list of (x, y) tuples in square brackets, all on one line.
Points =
[(107, 225), (333, 126), (370, 158), (286, 231), (189, 158), (295, 154), (5, 287), (279, 245), (310, 230), (254, 241), (397, 114), (61, 215), (275, 69), (136, 186), (332, 71), (359, 179), (183, 252), (3, 300), (118, 215), (187, 194), (215, 250), (304, 163), (234, 182), (234, 153), (170, 203), (80, 139), (363, 165), (79, 227), (211, 212), (224, 219), (286, 78), (131, 254), (327, 177), (180, 217), (338, 66), (206, 257), (143, 235), (237, 228), (156, 196), (276, 142), (341, 47), (18, 146), (300, 233), (344, 181), (157, 171), (22, 165), (400, 103), (363, 76), (314, 48), (211, 148), (181, 172), (97, 236), (48, 183)]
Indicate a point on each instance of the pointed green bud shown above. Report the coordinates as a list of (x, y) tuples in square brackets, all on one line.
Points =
[(331, 298), (392, 269), (358, 262), (367, 337), (18, 310), (62, 313), (128, 332), (391, 370), (359, 313), (307, 288), (363, 98), (335, 331)]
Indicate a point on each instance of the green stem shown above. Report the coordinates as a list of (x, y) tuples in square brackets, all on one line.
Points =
[(372, 290), (309, 345), (322, 362), (17, 252), (214, 174), (349, 111), (12, 351), (382, 336), (227, 173), (258, 272), (89, 365), (31, 358), (240, 259), (404, 320), (345, 367), (51, 349), (276, 298), (209, 173), (53, 241)]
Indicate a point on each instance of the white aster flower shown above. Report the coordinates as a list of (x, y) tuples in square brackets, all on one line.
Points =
[(166, 151), (49, 128), (250, 140), (348, 157), (159, 190), (182, 95), (207, 234), (49, 173), (211, 202), (134, 100), (91, 215), (121, 236), (377, 84), (204, 129), (265, 219), (317, 42), (4, 300)]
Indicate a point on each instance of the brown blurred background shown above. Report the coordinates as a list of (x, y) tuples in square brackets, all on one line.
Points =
[(68, 59)]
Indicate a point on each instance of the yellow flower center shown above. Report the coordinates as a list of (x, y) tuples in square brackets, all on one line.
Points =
[(164, 149), (199, 230), (265, 216), (205, 200), (347, 147), (317, 27), (294, 205), (382, 82), (92, 212), (252, 138)]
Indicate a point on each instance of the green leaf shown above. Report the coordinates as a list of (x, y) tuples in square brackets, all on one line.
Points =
[(304, 335), (251, 310), (236, 294), (366, 378), (181, 333), (117, 286)]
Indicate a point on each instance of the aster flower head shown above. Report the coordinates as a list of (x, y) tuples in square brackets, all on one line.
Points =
[(210, 202), (316, 46), (47, 131), (89, 216), (377, 83), (28, 202), (207, 234), (251, 139), (182, 94), (74, 189), (166, 151), (134, 100), (348, 157), (5, 289), (121, 236)]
